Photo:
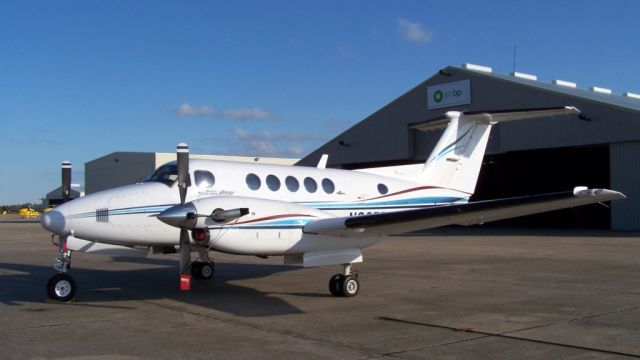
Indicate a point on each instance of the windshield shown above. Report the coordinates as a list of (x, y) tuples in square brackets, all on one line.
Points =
[(166, 174)]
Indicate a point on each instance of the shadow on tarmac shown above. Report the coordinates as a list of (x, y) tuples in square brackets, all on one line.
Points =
[(96, 288)]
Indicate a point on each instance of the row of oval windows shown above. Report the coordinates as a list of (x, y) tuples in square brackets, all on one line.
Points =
[(206, 179)]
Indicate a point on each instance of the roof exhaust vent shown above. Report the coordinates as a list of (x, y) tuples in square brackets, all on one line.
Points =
[(601, 90), (568, 84), (475, 67), (632, 95), (524, 76)]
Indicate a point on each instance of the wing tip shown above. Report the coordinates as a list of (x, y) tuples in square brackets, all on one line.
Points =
[(583, 191)]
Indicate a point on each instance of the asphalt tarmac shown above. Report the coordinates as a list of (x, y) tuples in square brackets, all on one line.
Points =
[(460, 293)]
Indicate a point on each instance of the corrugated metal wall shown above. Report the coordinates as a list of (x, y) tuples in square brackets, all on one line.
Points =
[(625, 177)]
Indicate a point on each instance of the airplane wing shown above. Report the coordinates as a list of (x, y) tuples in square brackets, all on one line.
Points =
[(474, 213)]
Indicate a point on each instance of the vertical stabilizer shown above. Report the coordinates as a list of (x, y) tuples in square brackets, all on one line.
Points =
[(455, 161)]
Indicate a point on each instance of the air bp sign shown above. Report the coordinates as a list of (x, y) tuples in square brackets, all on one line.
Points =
[(449, 94)]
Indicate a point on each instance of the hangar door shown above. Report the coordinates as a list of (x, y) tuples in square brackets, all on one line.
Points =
[(549, 170)]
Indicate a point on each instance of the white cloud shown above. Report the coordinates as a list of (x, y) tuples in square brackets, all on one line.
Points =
[(242, 114), (186, 110), (268, 143), (414, 31), (247, 114)]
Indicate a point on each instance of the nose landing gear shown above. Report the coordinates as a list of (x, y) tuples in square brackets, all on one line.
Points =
[(61, 286)]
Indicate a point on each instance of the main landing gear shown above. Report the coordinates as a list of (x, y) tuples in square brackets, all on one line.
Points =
[(345, 284), (203, 268), (61, 287)]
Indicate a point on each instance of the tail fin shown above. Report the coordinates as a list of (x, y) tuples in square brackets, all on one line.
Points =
[(457, 157)]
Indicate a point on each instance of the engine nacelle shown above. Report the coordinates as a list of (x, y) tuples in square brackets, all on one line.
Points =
[(270, 227), (259, 211)]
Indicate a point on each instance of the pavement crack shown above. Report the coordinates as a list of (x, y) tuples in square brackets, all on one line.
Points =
[(506, 336)]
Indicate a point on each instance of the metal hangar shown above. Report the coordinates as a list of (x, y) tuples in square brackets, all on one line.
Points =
[(598, 148)]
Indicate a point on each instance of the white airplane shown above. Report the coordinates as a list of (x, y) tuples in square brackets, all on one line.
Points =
[(310, 216)]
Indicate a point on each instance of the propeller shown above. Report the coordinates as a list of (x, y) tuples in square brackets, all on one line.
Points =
[(66, 180), (184, 181)]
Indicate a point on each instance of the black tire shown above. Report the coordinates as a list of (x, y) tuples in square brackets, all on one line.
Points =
[(201, 270), (61, 287), (350, 286), (206, 270), (335, 285)]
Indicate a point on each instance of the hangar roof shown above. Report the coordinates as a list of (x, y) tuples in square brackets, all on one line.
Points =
[(611, 99)]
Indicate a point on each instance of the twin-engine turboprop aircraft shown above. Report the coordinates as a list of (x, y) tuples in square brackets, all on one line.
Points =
[(310, 216)]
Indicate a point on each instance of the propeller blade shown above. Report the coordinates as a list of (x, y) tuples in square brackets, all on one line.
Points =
[(184, 181), (185, 251), (66, 180), (220, 215)]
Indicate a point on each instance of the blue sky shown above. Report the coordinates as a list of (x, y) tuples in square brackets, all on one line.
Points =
[(81, 79)]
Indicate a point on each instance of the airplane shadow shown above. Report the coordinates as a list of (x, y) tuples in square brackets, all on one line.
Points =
[(23, 283)]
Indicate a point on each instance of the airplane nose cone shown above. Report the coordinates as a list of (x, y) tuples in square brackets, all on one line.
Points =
[(181, 216), (54, 221)]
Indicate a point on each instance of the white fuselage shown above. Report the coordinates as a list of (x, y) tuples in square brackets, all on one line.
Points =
[(281, 202)]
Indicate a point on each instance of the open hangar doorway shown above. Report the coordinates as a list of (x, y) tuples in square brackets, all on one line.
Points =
[(533, 172)]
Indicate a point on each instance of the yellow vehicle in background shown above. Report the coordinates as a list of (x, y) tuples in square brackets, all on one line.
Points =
[(29, 213)]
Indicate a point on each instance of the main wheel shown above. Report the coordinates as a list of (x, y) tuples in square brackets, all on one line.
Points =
[(335, 285), (202, 270), (61, 287), (206, 270), (350, 286)]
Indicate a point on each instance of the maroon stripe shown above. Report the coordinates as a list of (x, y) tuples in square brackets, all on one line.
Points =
[(406, 191)]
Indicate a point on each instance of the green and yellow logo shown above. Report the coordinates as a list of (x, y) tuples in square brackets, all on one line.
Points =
[(437, 96)]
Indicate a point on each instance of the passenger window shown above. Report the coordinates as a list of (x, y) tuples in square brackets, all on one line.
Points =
[(310, 185), (204, 178), (382, 189), (273, 183), (253, 181), (328, 186), (292, 183)]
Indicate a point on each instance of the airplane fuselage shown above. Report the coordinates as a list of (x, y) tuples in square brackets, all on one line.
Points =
[(281, 200)]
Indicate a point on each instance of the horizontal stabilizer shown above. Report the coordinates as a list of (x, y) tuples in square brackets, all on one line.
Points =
[(496, 116), (475, 213)]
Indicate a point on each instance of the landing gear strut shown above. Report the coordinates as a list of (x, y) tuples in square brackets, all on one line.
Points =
[(345, 284), (61, 286)]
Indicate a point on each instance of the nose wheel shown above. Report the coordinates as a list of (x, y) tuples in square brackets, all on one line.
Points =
[(61, 287)]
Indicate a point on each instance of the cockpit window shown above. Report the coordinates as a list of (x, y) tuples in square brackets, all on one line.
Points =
[(166, 174), (204, 178)]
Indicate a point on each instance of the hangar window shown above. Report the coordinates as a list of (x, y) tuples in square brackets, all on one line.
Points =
[(292, 183), (310, 185), (204, 178), (166, 174), (253, 181), (382, 189), (328, 186), (273, 183)]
